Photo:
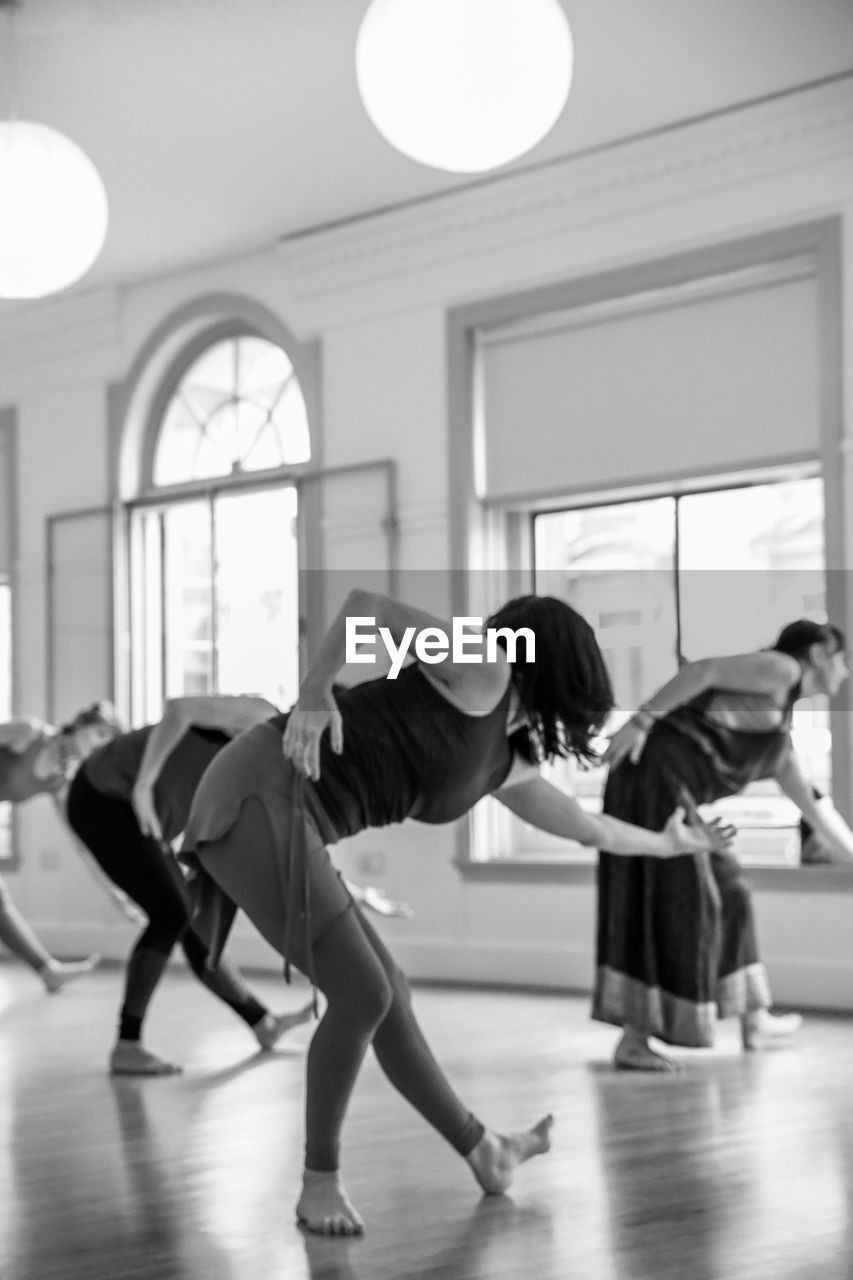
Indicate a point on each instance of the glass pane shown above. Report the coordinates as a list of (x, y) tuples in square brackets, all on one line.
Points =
[(291, 420), (266, 451), (146, 604), (752, 559), (176, 444), (263, 370), (615, 565), (218, 420), (188, 607), (5, 703), (257, 594)]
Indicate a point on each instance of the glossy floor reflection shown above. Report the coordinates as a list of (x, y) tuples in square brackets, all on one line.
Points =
[(740, 1168)]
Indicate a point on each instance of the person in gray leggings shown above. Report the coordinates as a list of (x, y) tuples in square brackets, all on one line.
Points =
[(426, 745)]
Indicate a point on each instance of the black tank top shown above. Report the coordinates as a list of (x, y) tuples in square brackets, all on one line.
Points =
[(114, 768), (18, 779), (408, 753)]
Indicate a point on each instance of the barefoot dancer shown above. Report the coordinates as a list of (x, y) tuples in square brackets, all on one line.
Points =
[(676, 943), (427, 745), (126, 804), (37, 759)]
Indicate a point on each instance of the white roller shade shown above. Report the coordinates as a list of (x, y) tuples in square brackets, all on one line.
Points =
[(680, 387)]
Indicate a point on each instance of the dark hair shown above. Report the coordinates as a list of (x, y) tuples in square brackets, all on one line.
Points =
[(566, 692), (798, 637), (98, 713)]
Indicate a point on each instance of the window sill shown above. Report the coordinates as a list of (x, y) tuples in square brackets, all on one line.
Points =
[(528, 871), (800, 879)]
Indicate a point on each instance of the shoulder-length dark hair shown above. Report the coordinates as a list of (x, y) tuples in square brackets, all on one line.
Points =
[(797, 638), (565, 691)]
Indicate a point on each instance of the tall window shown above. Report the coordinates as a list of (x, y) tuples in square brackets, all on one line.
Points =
[(213, 543), (671, 579)]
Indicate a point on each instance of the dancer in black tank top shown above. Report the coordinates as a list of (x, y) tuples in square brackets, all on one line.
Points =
[(677, 944), (127, 804), (36, 759), (427, 746)]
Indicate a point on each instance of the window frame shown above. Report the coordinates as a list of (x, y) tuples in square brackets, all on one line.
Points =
[(481, 529), (167, 498), (520, 550)]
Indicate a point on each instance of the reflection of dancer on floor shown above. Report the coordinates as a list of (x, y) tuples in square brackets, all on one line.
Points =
[(427, 745), (37, 759), (676, 943)]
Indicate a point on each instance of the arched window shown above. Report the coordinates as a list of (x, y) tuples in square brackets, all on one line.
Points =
[(213, 546), (237, 408)]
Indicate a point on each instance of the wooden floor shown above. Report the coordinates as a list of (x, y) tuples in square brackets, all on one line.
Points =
[(740, 1168)]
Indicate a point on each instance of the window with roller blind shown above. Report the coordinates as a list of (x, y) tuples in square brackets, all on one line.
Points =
[(655, 458), (676, 578)]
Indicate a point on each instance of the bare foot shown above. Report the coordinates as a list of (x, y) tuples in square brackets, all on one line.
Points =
[(761, 1027), (634, 1053), (324, 1206), (128, 1058), (273, 1026), (58, 973), (496, 1156)]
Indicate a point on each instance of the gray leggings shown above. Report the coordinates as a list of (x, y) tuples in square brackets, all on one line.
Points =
[(367, 996)]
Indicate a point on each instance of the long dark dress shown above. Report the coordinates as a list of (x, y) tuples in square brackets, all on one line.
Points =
[(676, 938)]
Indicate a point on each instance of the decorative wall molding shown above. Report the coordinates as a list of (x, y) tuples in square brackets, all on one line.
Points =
[(49, 344), (782, 135)]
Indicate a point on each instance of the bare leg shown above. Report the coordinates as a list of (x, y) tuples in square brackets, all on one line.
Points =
[(59, 973), (18, 936), (496, 1156), (634, 1053)]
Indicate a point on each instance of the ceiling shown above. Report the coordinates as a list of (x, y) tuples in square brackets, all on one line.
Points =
[(220, 126)]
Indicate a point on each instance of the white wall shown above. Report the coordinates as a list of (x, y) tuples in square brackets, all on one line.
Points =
[(376, 295)]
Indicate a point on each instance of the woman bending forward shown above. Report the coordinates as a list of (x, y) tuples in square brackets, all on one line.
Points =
[(427, 746), (676, 944)]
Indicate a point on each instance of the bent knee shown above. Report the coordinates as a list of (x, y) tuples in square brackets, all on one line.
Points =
[(368, 1003), (171, 922)]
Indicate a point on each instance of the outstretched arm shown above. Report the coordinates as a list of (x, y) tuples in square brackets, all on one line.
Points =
[(229, 714), (819, 813), (547, 807), (767, 672)]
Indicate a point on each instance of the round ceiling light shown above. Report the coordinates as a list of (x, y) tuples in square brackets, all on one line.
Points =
[(464, 85), (53, 210)]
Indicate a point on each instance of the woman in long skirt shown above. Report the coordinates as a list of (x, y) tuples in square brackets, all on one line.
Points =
[(676, 945)]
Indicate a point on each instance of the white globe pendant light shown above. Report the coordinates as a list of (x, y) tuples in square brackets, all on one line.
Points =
[(464, 85), (53, 210)]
